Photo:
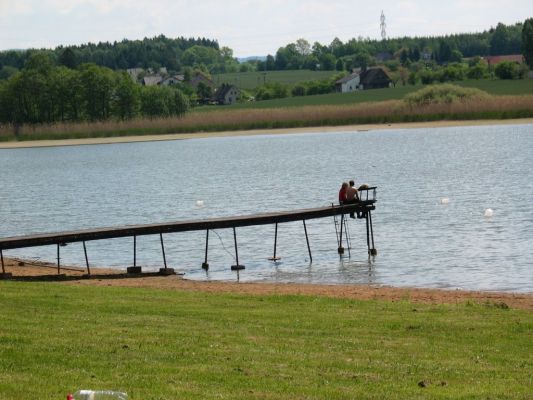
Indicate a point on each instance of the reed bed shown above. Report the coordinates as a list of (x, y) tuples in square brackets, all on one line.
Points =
[(226, 119)]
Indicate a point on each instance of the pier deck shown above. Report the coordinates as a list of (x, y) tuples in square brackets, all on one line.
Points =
[(364, 207)]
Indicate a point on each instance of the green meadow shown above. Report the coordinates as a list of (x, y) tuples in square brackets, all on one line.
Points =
[(251, 80), (495, 87), (157, 344)]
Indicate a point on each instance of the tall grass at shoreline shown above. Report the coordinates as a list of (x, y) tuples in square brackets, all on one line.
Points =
[(225, 119)]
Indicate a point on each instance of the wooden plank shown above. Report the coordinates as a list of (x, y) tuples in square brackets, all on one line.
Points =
[(181, 226)]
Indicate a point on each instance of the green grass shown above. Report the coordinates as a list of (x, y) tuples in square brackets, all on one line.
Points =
[(496, 87), (157, 344), (251, 80)]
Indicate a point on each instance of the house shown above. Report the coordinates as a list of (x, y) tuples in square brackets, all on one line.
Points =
[(371, 78), (493, 60), (172, 80), (375, 78), (383, 56), (349, 83), (199, 77), (134, 73), (151, 80), (227, 94)]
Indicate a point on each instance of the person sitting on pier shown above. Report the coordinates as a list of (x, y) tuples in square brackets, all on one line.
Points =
[(352, 197), (342, 193)]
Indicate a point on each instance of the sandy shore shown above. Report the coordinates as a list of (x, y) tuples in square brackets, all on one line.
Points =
[(201, 135), (41, 271)]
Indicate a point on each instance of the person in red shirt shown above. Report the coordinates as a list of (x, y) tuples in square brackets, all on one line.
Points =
[(342, 193)]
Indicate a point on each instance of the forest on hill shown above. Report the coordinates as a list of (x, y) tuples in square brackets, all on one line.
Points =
[(208, 55)]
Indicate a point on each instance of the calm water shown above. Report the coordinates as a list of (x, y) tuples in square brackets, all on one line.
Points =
[(420, 241)]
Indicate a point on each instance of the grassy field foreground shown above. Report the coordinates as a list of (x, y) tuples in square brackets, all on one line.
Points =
[(157, 344)]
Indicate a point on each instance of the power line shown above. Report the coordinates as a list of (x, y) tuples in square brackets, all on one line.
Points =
[(383, 26)]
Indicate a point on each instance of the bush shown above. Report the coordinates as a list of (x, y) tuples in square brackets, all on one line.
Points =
[(443, 94), (508, 70), (298, 90)]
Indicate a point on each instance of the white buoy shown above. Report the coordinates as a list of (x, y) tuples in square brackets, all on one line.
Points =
[(488, 213), (199, 203), (444, 200)]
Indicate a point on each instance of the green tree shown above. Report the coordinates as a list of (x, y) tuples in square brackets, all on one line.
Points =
[(68, 58), (98, 84), (499, 40), (527, 41), (127, 100), (204, 91)]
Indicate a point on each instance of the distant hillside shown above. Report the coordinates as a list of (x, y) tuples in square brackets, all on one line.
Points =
[(251, 58)]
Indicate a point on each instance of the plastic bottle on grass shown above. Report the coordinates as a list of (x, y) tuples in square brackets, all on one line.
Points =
[(97, 395)]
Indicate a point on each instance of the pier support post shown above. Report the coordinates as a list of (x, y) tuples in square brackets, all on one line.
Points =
[(205, 264), (4, 274), (237, 266), (165, 270), (135, 269), (372, 251), (58, 261), (274, 258), (341, 249), (307, 240), (86, 258)]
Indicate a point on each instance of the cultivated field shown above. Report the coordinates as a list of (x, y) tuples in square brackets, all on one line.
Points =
[(250, 80)]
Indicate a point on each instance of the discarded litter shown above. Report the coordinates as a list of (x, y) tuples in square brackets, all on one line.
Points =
[(97, 395)]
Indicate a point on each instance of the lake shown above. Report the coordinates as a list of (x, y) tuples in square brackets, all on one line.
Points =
[(422, 241)]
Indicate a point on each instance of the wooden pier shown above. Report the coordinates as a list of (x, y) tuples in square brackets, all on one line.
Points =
[(59, 239)]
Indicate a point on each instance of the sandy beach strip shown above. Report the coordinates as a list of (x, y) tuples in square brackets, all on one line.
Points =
[(281, 131), (31, 271)]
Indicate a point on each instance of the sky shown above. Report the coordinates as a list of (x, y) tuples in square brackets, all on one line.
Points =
[(249, 27)]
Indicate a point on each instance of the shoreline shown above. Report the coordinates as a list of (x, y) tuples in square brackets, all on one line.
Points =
[(281, 131), (39, 271)]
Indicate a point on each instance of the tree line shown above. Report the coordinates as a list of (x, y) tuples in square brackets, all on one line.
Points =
[(45, 93), (206, 54)]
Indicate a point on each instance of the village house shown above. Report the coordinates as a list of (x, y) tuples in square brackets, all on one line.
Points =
[(172, 80), (371, 78), (227, 94), (493, 60), (199, 77), (151, 80)]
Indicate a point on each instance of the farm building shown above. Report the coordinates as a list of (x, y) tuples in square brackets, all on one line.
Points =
[(199, 77), (172, 80), (227, 94), (493, 60), (371, 78)]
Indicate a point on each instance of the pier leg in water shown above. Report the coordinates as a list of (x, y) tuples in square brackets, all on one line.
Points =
[(58, 263), (135, 269), (86, 259), (4, 274), (205, 265), (165, 270), (274, 258), (373, 251), (341, 249), (307, 239), (237, 266)]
